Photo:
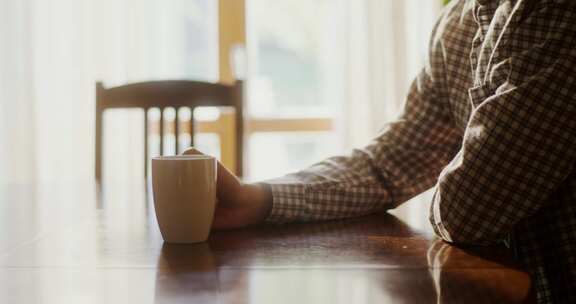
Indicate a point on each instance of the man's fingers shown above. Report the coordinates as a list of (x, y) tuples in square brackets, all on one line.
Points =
[(229, 186), (228, 183), (192, 151)]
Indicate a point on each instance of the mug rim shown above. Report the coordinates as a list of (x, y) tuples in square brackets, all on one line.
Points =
[(183, 157)]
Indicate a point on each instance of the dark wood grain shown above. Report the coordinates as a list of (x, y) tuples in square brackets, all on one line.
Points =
[(78, 243)]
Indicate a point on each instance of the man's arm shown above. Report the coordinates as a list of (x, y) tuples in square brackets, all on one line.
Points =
[(520, 143), (404, 160), (401, 162)]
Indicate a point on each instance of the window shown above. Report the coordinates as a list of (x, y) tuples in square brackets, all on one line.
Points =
[(294, 76)]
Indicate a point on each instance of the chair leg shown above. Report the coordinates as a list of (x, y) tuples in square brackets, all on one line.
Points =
[(161, 131), (191, 126), (176, 130), (145, 143), (98, 146), (239, 143)]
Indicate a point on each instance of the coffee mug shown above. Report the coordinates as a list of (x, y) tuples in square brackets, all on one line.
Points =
[(184, 190)]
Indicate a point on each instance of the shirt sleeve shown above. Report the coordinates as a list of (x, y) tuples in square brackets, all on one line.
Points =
[(401, 162), (520, 143)]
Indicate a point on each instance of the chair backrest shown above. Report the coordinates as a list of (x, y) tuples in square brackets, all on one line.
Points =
[(175, 94)]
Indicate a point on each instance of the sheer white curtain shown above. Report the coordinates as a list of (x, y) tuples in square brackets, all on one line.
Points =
[(17, 143), (51, 54), (387, 44)]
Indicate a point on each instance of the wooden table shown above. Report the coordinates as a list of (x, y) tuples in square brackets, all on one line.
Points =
[(77, 243)]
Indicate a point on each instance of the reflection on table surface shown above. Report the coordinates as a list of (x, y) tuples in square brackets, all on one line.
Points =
[(78, 243)]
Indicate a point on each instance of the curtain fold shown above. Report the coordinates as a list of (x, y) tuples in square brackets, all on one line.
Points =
[(51, 54), (17, 115), (387, 44)]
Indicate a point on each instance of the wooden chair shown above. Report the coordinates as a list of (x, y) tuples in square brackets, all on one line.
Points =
[(169, 94)]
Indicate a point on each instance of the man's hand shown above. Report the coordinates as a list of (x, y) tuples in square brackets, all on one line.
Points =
[(239, 204)]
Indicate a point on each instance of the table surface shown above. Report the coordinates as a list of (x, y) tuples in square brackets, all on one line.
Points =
[(81, 243)]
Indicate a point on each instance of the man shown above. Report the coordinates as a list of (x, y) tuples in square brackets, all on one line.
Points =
[(490, 123)]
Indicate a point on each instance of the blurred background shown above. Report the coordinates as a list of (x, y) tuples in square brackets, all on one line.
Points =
[(321, 77)]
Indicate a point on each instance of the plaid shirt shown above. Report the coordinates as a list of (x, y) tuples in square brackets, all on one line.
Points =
[(490, 123)]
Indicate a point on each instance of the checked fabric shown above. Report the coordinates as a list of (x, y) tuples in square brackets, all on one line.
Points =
[(490, 124)]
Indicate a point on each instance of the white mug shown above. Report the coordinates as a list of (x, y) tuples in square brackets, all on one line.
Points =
[(184, 189)]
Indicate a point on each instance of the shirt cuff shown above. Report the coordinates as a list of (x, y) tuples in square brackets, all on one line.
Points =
[(288, 201)]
